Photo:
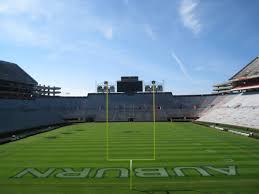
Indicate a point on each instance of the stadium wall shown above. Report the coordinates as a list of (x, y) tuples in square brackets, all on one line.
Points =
[(43, 111), (234, 109)]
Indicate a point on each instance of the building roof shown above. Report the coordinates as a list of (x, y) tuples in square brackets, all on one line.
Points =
[(222, 84), (12, 72), (250, 70)]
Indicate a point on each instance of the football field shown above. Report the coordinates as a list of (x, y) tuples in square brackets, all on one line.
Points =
[(184, 158)]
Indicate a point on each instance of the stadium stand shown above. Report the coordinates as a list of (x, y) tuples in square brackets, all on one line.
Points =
[(138, 106), (240, 110), (247, 79), (15, 82), (19, 114), (249, 71), (25, 105)]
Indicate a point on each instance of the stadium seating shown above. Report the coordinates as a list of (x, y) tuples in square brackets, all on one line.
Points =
[(240, 110), (233, 109), (140, 107), (24, 114)]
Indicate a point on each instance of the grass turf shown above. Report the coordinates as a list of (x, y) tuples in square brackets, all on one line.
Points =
[(177, 145)]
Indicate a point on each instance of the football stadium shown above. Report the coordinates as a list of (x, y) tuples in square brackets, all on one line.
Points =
[(129, 97), (129, 137)]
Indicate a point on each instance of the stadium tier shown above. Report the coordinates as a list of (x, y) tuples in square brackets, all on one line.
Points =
[(15, 82), (247, 79), (240, 110), (129, 103)]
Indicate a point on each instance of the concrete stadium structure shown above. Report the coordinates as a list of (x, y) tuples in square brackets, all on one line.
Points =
[(18, 113)]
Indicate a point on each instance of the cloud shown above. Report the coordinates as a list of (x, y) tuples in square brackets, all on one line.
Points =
[(28, 22), (15, 7), (181, 65), (149, 31), (44, 23), (32, 8), (188, 14), (107, 32), (23, 33)]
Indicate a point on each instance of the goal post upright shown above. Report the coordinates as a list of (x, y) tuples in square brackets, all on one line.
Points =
[(154, 117), (107, 119)]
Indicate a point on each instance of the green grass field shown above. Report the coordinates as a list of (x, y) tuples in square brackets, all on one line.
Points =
[(189, 159)]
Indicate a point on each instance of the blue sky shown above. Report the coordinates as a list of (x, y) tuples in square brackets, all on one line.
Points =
[(188, 44)]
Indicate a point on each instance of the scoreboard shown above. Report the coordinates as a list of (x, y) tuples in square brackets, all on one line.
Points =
[(129, 84)]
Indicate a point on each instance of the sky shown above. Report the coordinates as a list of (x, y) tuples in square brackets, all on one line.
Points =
[(188, 45)]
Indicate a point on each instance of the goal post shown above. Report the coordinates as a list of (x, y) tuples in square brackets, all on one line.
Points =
[(130, 160)]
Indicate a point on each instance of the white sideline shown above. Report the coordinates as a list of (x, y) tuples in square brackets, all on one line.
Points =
[(219, 128), (232, 131), (239, 133)]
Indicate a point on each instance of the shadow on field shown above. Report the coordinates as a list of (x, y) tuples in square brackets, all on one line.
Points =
[(51, 137), (66, 133), (168, 191)]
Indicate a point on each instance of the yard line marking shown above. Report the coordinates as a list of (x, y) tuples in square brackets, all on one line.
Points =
[(126, 159), (131, 174)]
